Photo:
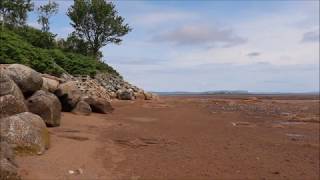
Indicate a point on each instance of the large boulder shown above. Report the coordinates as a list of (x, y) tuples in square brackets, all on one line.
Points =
[(49, 84), (125, 94), (98, 105), (10, 105), (8, 166), (7, 86), (47, 106), (11, 98), (139, 96), (26, 131), (113, 95), (148, 95), (26, 78), (82, 108), (69, 94)]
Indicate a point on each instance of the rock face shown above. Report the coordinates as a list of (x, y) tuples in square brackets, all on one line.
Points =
[(26, 131), (98, 105), (82, 108), (69, 94), (26, 78), (125, 94), (8, 167), (49, 84), (11, 98), (47, 106)]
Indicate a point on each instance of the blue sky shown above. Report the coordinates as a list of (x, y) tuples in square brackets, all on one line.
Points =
[(202, 45)]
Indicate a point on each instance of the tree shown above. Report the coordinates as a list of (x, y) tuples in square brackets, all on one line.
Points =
[(98, 23), (45, 13), (15, 12)]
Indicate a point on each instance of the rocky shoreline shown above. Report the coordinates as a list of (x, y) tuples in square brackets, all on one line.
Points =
[(30, 102)]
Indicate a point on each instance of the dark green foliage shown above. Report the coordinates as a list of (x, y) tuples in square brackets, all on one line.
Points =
[(97, 22), (15, 48), (36, 37), (74, 44)]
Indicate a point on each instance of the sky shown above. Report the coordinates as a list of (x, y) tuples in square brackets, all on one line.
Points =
[(208, 45)]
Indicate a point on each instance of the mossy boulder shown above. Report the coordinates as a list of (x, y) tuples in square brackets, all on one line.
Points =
[(26, 131)]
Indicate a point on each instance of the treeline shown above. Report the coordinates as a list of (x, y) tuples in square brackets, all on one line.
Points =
[(96, 23)]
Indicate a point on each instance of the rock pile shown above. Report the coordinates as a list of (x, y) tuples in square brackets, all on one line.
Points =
[(121, 89), (20, 130), (30, 102)]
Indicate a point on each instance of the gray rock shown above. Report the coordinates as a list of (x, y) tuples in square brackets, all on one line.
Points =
[(8, 171), (26, 131), (125, 94), (148, 96), (10, 105), (11, 98), (139, 96), (98, 105), (50, 85), (82, 108), (47, 106), (69, 95), (8, 166), (26, 78), (9, 87)]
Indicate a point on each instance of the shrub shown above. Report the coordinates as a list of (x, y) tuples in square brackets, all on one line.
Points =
[(15, 48)]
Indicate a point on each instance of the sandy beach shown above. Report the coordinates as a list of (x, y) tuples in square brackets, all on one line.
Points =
[(186, 137)]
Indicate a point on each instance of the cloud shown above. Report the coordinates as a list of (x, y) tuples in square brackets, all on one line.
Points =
[(155, 18), (200, 35), (311, 36), (253, 54), (129, 60)]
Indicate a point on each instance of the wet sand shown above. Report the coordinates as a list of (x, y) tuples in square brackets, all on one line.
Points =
[(186, 137)]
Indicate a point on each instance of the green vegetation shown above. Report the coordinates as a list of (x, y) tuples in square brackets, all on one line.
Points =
[(15, 12), (96, 23), (39, 50)]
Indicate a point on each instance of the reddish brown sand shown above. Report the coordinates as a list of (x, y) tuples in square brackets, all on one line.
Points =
[(206, 137)]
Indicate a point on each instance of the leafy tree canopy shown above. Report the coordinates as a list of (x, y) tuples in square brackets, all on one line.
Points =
[(98, 23), (15, 12)]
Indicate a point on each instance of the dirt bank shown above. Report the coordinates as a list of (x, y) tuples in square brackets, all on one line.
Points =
[(206, 137)]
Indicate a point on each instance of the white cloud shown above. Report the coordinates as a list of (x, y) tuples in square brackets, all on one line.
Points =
[(198, 34), (156, 18), (273, 35)]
